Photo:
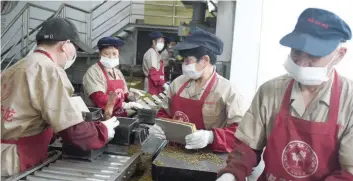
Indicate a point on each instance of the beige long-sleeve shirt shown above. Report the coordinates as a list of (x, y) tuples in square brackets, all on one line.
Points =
[(258, 122), (35, 93), (222, 107)]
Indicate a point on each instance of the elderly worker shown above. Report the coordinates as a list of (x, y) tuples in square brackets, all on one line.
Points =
[(203, 97), (104, 76), (153, 66), (36, 101), (166, 54), (304, 119)]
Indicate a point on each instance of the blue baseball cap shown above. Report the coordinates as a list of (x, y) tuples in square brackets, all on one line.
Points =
[(156, 34), (318, 32), (110, 41), (170, 39), (201, 38)]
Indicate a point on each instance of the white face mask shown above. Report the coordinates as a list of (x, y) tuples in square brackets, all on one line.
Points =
[(159, 46), (69, 62), (191, 72), (307, 75), (109, 62)]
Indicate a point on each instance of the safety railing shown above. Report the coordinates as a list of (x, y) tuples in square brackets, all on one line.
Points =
[(130, 11), (92, 25)]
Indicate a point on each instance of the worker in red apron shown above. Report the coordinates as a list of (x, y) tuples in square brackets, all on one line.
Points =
[(166, 54), (202, 96), (36, 102), (304, 119), (104, 77), (153, 66)]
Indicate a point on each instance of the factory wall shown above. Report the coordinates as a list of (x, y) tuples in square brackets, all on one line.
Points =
[(224, 30), (259, 25), (98, 30)]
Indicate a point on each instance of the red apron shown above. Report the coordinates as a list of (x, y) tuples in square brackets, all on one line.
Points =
[(32, 150), (300, 149), (190, 110), (152, 89), (117, 86)]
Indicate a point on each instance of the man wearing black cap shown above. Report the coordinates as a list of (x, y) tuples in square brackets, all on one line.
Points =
[(153, 66), (104, 77), (36, 101), (203, 97), (304, 119)]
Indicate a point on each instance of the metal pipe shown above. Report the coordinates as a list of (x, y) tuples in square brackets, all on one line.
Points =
[(35, 29), (11, 38), (130, 11), (76, 20), (23, 35), (173, 20), (69, 172), (37, 19), (110, 27), (111, 17), (27, 29), (13, 58), (89, 30), (106, 10), (198, 13), (154, 4), (98, 6), (76, 8), (19, 15)]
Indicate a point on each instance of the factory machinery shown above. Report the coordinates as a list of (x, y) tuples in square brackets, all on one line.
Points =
[(131, 151), (113, 162)]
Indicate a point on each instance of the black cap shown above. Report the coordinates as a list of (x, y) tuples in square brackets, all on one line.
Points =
[(201, 38), (110, 41), (61, 29), (318, 32)]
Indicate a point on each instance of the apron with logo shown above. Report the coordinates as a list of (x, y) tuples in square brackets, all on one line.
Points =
[(303, 150), (190, 110), (32, 150), (117, 86), (152, 89)]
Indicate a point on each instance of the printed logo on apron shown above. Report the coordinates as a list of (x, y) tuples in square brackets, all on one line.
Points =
[(119, 92), (180, 115), (299, 159)]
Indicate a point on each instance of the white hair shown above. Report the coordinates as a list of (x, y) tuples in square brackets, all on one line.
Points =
[(343, 45)]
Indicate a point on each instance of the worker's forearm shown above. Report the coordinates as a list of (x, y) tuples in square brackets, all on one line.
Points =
[(224, 139), (241, 161), (86, 135), (100, 100), (162, 114)]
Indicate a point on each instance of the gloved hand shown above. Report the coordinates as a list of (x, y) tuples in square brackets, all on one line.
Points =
[(156, 131), (227, 177), (199, 139), (130, 105), (111, 124), (133, 96), (166, 86)]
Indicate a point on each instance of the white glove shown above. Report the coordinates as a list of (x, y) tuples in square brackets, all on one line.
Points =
[(166, 86), (130, 105), (156, 131), (227, 177), (111, 124), (133, 95), (199, 139)]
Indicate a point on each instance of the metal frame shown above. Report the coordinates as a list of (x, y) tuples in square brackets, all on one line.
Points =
[(26, 31)]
